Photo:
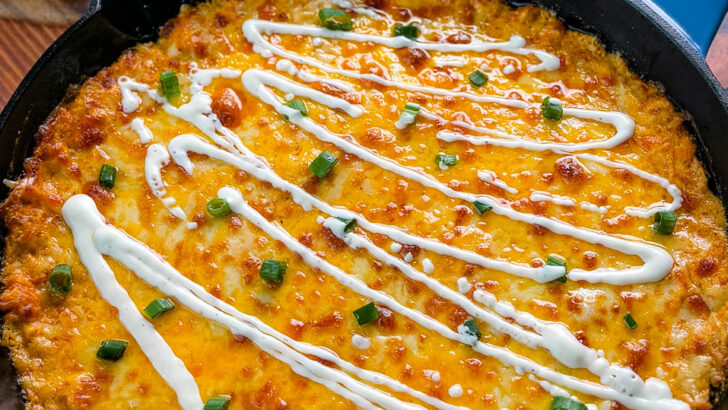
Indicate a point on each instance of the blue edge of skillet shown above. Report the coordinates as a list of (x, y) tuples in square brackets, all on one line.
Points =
[(652, 48)]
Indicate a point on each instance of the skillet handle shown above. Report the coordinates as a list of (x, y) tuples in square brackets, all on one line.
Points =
[(698, 20)]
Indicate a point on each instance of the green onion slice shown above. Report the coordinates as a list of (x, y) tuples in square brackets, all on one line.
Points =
[(112, 349), (323, 164), (629, 321), (60, 279), (410, 31), (478, 78), (408, 115), (664, 223), (107, 176), (551, 110), (471, 328), (219, 207), (157, 307), (412, 109), (481, 207), (349, 224), (565, 403), (367, 313), (217, 403), (170, 84), (272, 270), (299, 106), (335, 19), (554, 260), (445, 161)]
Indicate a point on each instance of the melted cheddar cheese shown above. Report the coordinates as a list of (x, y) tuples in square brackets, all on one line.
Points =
[(583, 189)]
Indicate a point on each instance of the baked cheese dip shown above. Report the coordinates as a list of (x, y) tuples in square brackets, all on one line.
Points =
[(399, 204)]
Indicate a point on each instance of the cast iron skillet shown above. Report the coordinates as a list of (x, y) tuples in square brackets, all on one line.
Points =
[(653, 47)]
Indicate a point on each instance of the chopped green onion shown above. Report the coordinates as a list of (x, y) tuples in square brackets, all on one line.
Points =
[(349, 224), (412, 108), (629, 320), (170, 84), (60, 279), (551, 109), (111, 349), (481, 207), (553, 260), (471, 328), (445, 161), (299, 106), (157, 307), (219, 207), (107, 176), (217, 403), (323, 164), (478, 78), (273, 270), (565, 403), (335, 19), (410, 31), (367, 313), (664, 223), (408, 115)]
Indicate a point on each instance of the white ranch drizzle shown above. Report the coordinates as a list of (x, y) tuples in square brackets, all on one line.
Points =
[(144, 133), (197, 111), (657, 262), (84, 219), (94, 238), (622, 123), (129, 100), (360, 342), (554, 337), (427, 266), (180, 146), (594, 207), (156, 159), (550, 388), (540, 196), (647, 212), (491, 178), (288, 67), (463, 285), (619, 384), (672, 189), (455, 391), (253, 28)]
